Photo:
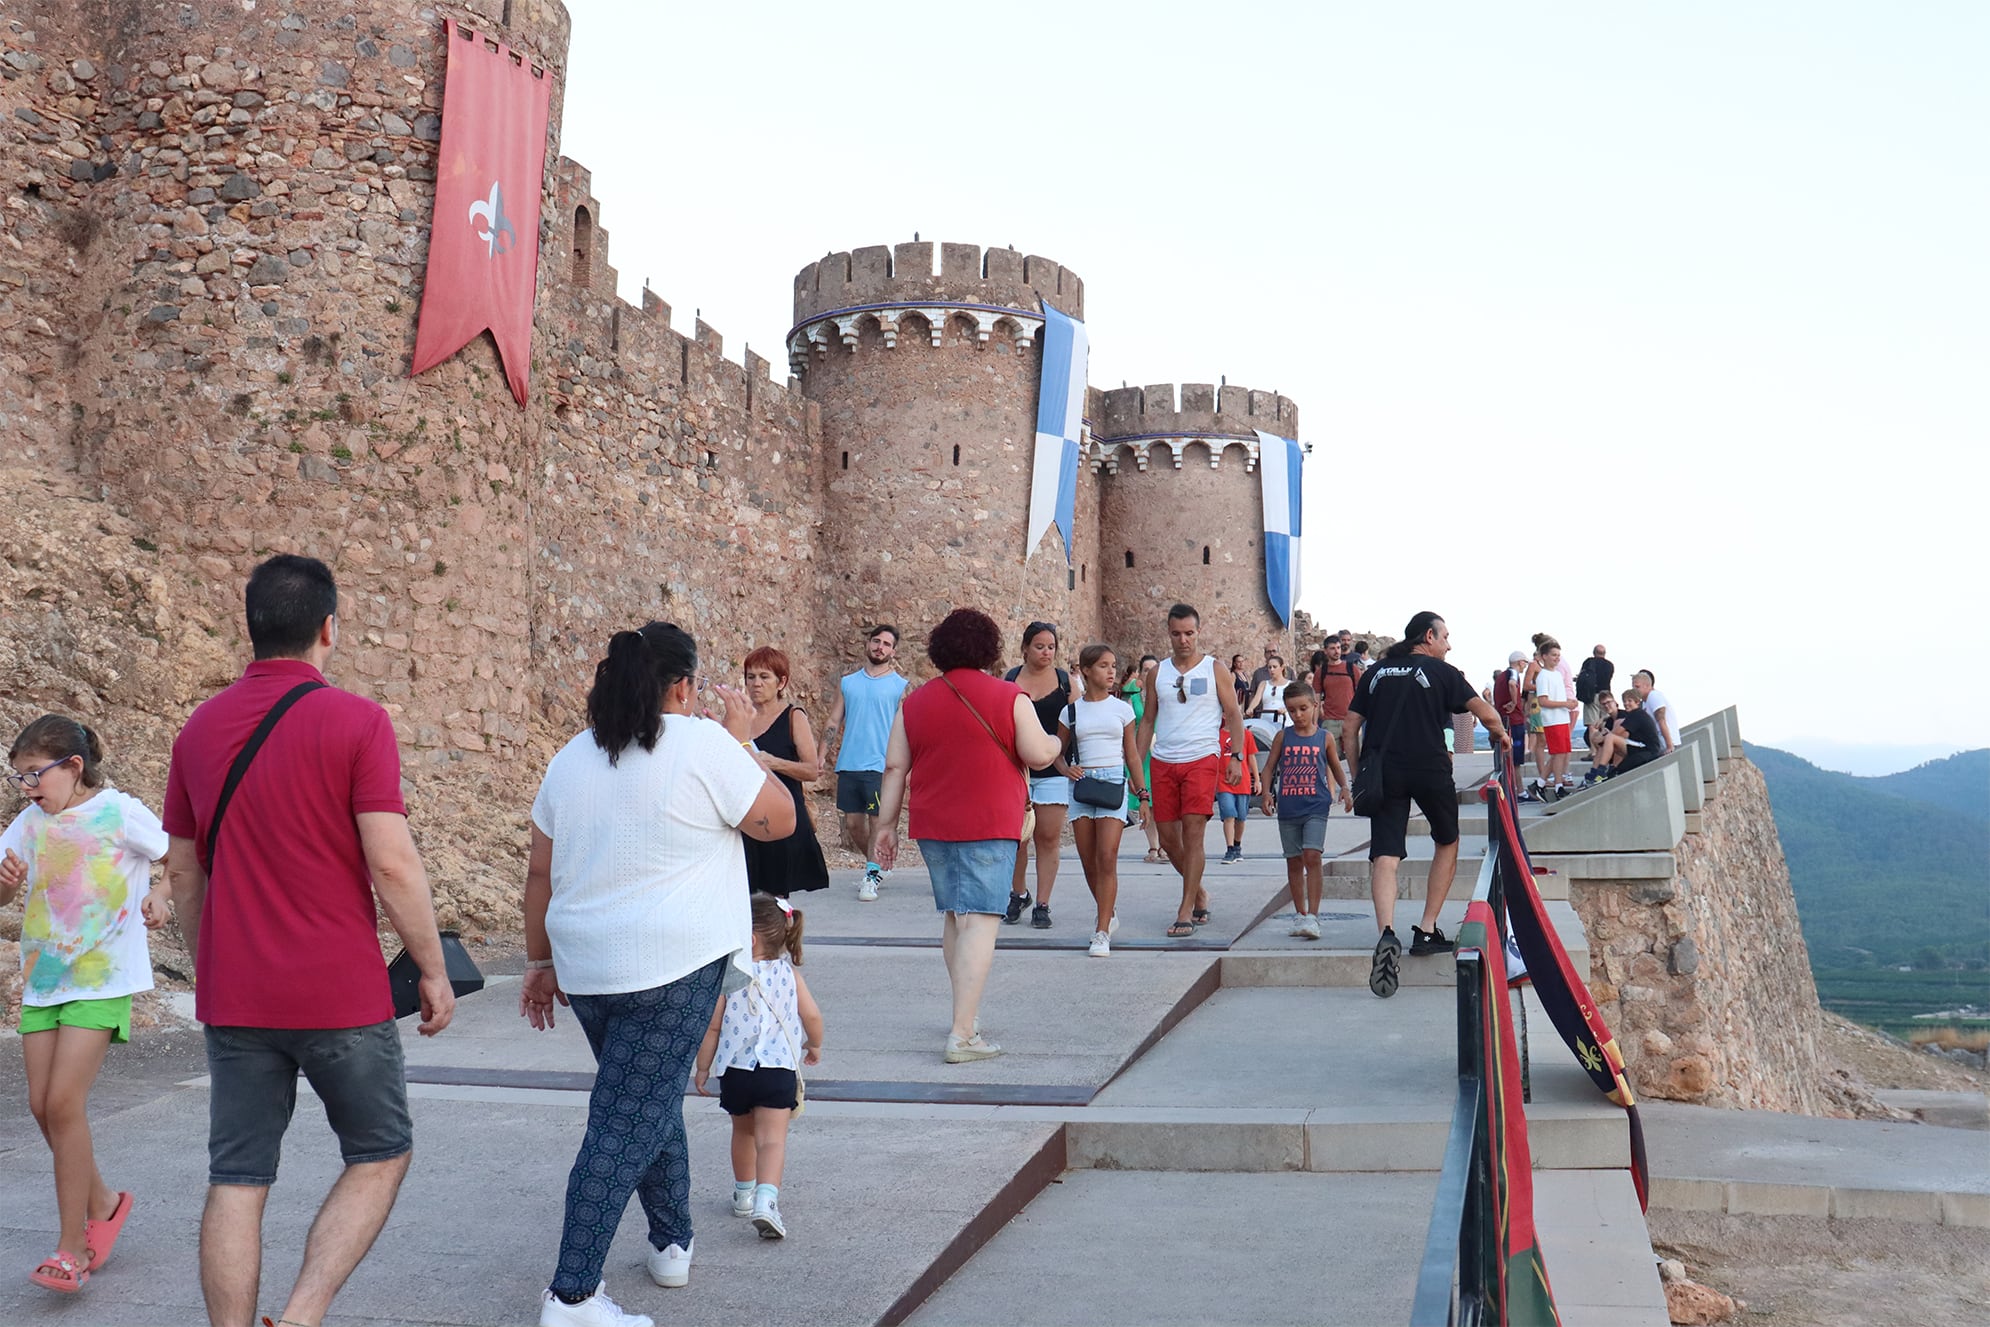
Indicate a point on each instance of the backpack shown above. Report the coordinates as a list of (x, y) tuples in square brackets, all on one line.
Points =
[(1586, 685)]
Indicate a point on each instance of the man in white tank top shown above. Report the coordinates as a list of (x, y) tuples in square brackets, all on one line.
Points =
[(1188, 706)]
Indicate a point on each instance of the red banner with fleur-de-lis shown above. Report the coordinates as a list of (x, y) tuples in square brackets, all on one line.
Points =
[(483, 244)]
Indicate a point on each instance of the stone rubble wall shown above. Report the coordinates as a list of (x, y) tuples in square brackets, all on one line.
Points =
[(1705, 978)]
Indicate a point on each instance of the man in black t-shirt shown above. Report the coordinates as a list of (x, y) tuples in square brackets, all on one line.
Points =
[(1633, 741), (1398, 717)]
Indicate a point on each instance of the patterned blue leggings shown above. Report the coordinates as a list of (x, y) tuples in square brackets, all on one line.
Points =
[(644, 1045)]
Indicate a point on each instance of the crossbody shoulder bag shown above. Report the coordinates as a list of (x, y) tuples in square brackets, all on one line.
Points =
[(1093, 789), (1367, 793), (246, 757)]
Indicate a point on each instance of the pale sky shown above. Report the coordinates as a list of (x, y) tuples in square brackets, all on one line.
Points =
[(1697, 293)]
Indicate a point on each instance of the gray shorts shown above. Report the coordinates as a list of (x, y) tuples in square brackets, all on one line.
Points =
[(356, 1072), (1297, 836)]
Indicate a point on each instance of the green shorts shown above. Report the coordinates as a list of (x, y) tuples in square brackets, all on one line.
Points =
[(112, 1014)]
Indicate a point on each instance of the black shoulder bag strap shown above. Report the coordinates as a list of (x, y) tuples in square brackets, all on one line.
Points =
[(247, 756)]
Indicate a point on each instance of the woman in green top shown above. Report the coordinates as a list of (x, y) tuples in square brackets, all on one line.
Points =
[(1135, 697)]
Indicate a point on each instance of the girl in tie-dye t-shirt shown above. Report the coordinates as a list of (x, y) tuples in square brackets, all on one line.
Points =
[(84, 852)]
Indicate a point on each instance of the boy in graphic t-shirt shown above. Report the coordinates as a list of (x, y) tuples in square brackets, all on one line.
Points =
[(1233, 795), (1304, 767)]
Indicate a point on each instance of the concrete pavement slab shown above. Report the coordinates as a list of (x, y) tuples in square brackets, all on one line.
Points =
[(1106, 1247), (1759, 1146), (1060, 1018), (870, 1204), (1596, 1247)]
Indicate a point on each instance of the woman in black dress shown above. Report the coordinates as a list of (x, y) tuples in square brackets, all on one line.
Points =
[(785, 748)]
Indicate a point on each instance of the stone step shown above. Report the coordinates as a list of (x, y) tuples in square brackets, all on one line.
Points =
[(1268, 956), (1327, 1079), (1103, 1246)]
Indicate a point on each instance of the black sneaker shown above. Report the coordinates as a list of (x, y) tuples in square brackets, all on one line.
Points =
[(1040, 916), (1433, 941), (1382, 976), (1017, 902)]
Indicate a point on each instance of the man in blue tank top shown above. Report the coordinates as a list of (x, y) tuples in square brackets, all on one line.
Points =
[(866, 703)]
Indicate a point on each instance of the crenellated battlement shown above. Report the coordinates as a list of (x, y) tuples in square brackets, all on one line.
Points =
[(898, 292), (1142, 426)]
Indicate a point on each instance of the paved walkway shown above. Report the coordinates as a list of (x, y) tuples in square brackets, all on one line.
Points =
[(1225, 1130)]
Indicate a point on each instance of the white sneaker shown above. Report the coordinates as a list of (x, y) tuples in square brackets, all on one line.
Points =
[(868, 891), (1298, 930), (1112, 924), (1101, 944), (767, 1218), (742, 1201), (597, 1310), (672, 1266), (1310, 925)]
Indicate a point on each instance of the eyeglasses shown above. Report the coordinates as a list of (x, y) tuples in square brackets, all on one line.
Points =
[(32, 778)]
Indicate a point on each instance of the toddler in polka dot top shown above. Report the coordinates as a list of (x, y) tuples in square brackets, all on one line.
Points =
[(758, 1041)]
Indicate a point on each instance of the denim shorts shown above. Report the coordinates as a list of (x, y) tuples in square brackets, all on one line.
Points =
[(356, 1072), (1307, 835), (1051, 790), (1233, 806), (970, 876)]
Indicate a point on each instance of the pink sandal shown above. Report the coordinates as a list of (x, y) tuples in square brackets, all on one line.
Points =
[(68, 1276), (101, 1236)]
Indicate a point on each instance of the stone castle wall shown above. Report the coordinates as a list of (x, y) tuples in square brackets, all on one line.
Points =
[(217, 222), (1705, 978)]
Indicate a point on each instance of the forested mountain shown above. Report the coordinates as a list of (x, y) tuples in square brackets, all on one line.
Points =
[(1885, 869)]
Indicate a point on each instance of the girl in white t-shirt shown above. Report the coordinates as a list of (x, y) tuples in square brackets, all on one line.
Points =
[(757, 1043), (85, 853), (1100, 727)]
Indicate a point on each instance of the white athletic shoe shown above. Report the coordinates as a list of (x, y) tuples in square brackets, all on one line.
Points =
[(1112, 924), (597, 1310), (868, 891), (1101, 944), (1311, 924), (767, 1217), (671, 1267), (742, 1201), (1298, 930)]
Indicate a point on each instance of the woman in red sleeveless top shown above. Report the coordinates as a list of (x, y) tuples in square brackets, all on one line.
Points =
[(963, 740)]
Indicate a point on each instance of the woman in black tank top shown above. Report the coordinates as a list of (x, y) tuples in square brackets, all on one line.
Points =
[(1049, 689)]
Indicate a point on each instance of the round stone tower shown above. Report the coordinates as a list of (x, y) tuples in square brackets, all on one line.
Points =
[(243, 320), (927, 383), (1181, 515)]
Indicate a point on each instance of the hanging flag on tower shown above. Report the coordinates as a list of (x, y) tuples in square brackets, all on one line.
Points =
[(1060, 415), (1280, 461), (483, 242)]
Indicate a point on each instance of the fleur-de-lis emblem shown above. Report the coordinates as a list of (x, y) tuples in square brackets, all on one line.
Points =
[(1591, 1059), (495, 230)]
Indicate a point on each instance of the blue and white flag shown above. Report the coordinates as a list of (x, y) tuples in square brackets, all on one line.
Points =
[(1060, 414), (1280, 462)]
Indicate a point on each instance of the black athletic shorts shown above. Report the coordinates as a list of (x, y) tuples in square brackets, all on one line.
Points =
[(740, 1090), (857, 791), (1434, 794)]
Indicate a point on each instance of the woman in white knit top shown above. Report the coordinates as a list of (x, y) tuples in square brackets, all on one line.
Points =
[(636, 916)]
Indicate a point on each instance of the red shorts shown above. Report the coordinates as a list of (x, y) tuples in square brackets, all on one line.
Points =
[(1558, 737), (1187, 789)]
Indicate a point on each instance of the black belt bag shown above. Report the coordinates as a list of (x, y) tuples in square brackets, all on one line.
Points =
[(1103, 793)]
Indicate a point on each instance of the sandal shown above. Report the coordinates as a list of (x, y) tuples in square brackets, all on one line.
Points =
[(101, 1236), (68, 1275), (1155, 856), (1181, 930), (1200, 917)]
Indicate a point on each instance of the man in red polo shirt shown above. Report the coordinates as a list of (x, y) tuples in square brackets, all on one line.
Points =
[(277, 909)]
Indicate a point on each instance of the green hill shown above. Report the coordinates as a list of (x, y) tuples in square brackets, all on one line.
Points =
[(1960, 782), (1882, 879)]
